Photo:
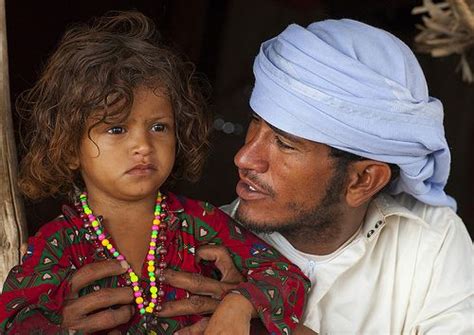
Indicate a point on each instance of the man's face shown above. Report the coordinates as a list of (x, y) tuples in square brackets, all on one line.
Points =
[(286, 182)]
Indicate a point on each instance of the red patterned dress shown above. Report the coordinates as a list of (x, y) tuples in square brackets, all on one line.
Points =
[(34, 291)]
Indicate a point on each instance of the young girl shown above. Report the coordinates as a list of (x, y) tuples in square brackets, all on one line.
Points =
[(116, 116)]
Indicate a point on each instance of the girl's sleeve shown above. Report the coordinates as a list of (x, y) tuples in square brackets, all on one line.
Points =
[(34, 292), (276, 287)]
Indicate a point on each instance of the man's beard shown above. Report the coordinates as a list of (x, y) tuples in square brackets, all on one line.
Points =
[(321, 222)]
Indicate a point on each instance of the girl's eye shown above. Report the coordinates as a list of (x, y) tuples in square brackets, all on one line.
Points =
[(158, 127), (282, 144), (116, 130)]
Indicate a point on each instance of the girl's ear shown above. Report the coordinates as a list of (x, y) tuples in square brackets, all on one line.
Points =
[(74, 164)]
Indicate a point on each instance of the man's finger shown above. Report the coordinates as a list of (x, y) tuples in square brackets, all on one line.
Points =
[(223, 261), (196, 329), (104, 298), (107, 319), (197, 284), (89, 273), (195, 304)]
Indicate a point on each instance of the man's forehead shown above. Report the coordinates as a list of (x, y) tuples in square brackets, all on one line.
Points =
[(285, 134)]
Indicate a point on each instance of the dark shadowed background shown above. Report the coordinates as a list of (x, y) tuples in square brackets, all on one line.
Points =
[(222, 38)]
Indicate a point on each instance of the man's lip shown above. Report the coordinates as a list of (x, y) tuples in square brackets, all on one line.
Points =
[(140, 169), (246, 193)]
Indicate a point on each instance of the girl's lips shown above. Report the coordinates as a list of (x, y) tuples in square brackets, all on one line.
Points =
[(248, 192), (142, 170)]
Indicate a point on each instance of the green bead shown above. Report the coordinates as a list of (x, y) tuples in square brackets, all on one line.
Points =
[(98, 231), (116, 254), (142, 310)]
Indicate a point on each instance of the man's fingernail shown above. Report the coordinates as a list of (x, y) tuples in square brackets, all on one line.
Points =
[(124, 265)]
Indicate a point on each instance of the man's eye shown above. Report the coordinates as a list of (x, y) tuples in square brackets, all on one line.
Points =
[(282, 144), (116, 130), (158, 127), (254, 117)]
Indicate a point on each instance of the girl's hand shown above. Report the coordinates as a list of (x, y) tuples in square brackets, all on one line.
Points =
[(233, 316)]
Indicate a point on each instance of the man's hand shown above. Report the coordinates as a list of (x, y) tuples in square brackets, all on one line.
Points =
[(205, 292), (92, 312)]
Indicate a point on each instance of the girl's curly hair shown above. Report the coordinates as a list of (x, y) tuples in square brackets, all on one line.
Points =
[(96, 67)]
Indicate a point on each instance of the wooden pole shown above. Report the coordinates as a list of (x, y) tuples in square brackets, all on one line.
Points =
[(12, 220)]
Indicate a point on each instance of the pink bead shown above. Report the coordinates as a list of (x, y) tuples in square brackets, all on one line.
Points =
[(152, 247), (150, 257), (112, 250), (155, 227), (140, 306), (137, 294), (120, 258), (101, 237)]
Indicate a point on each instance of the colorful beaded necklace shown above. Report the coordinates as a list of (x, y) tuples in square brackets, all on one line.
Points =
[(158, 233)]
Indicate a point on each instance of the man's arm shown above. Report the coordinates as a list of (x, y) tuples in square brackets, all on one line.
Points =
[(205, 292)]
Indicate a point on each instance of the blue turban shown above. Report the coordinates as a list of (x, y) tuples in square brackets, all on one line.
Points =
[(358, 89)]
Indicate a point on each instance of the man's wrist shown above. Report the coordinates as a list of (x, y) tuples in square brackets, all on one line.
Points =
[(239, 304)]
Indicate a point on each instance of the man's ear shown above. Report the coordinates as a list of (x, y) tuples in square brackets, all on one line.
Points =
[(365, 179)]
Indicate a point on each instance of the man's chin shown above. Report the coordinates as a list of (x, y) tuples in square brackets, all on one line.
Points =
[(254, 225)]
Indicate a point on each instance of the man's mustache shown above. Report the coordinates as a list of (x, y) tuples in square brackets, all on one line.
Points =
[(256, 180)]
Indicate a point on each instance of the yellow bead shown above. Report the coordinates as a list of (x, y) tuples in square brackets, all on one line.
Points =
[(151, 252), (151, 304), (154, 295), (153, 289), (105, 242), (109, 246), (95, 223), (149, 309), (151, 262), (87, 211), (151, 268), (153, 244), (139, 300), (136, 288), (156, 222)]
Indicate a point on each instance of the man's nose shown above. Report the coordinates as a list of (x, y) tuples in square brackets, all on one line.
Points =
[(253, 155)]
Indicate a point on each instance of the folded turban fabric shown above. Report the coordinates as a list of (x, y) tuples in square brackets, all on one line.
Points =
[(359, 89)]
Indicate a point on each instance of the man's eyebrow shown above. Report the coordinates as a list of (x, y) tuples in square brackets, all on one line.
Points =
[(288, 136)]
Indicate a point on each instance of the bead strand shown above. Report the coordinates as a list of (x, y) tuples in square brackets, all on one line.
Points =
[(158, 236)]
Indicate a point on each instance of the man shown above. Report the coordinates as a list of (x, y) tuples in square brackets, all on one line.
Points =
[(341, 108), (343, 170)]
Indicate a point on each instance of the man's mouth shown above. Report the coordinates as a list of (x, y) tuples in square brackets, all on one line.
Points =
[(246, 190)]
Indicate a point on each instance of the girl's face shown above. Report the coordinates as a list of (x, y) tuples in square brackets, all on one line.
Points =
[(130, 160)]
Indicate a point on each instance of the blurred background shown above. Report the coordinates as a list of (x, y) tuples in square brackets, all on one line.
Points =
[(222, 37)]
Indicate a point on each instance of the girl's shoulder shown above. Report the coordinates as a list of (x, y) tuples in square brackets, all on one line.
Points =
[(66, 224), (197, 208)]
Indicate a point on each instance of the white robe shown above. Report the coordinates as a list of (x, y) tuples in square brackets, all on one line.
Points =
[(408, 270)]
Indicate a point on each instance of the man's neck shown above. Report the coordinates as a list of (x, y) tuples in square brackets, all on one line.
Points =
[(311, 241)]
